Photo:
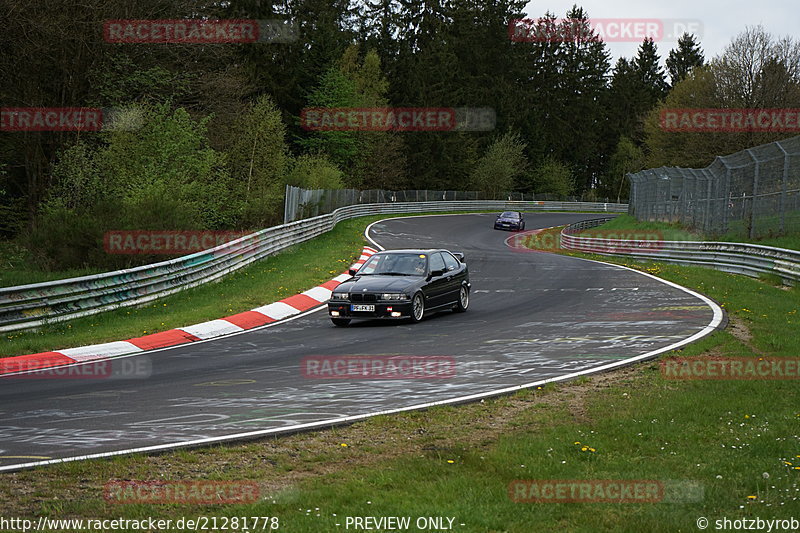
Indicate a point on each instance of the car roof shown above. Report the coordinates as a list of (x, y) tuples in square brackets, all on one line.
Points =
[(414, 251)]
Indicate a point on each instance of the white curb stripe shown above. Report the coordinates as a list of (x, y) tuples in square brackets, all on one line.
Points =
[(320, 294), (100, 351), (277, 310), (212, 328)]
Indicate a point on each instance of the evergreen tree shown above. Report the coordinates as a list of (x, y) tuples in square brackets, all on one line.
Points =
[(584, 63), (649, 71), (682, 59)]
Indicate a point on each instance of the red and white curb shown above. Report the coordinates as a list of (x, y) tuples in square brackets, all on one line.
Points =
[(266, 314)]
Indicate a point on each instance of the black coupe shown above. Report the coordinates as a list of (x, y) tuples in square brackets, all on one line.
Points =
[(402, 284)]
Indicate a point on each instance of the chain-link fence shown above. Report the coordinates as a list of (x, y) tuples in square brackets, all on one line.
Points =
[(305, 203), (753, 193)]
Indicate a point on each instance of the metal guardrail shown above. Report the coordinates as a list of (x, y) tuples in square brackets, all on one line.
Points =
[(28, 306), (306, 203), (737, 258)]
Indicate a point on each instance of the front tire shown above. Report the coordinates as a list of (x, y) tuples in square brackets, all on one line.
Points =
[(463, 300), (340, 322), (417, 307)]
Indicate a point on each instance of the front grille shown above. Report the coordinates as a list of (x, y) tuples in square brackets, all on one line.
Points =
[(358, 297)]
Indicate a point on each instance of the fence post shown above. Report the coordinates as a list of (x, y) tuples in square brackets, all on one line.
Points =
[(784, 183), (288, 216), (756, 173), (708, 218), (727, 199)]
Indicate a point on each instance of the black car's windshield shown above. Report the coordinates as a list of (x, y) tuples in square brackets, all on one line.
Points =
[(509, 214), (399, 264)]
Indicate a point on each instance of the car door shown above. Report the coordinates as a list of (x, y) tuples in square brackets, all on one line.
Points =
[(454, 276), (437, 287)]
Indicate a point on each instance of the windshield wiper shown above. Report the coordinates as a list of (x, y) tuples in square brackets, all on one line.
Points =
[(394, 274)]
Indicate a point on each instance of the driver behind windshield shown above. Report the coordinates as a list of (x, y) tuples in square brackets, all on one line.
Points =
[(402, 264)]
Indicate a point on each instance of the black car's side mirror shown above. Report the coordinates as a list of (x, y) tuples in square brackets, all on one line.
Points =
[(435, 273), (352, 271)]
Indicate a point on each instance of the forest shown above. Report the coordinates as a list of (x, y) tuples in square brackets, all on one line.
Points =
[(207, 135)]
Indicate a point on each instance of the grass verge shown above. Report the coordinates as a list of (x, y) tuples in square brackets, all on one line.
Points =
[(676, 232), (294, 270), (727, 448)]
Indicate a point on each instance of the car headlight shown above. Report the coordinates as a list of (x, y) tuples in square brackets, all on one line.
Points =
[(394, 296), (341, 296)]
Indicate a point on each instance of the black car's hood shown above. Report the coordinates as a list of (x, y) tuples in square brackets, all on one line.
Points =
[(507, 219), (379, 283)]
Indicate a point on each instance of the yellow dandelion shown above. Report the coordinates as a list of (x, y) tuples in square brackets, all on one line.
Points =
[(583, 449), (592, 450), (450, 461), (343, 445), (577, 442), (751, 497)]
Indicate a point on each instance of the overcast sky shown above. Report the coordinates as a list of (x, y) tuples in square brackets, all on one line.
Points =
[(721, 20)]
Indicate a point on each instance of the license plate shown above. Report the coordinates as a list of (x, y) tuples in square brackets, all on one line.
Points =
[(362, 307)]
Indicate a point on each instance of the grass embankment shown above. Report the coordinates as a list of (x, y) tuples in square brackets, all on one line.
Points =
[(732, 446)]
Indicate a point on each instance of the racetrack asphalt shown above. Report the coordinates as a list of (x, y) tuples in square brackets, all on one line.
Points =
[(533, 316)]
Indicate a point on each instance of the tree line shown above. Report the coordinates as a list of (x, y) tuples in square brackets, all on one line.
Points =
[(211, 132)]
